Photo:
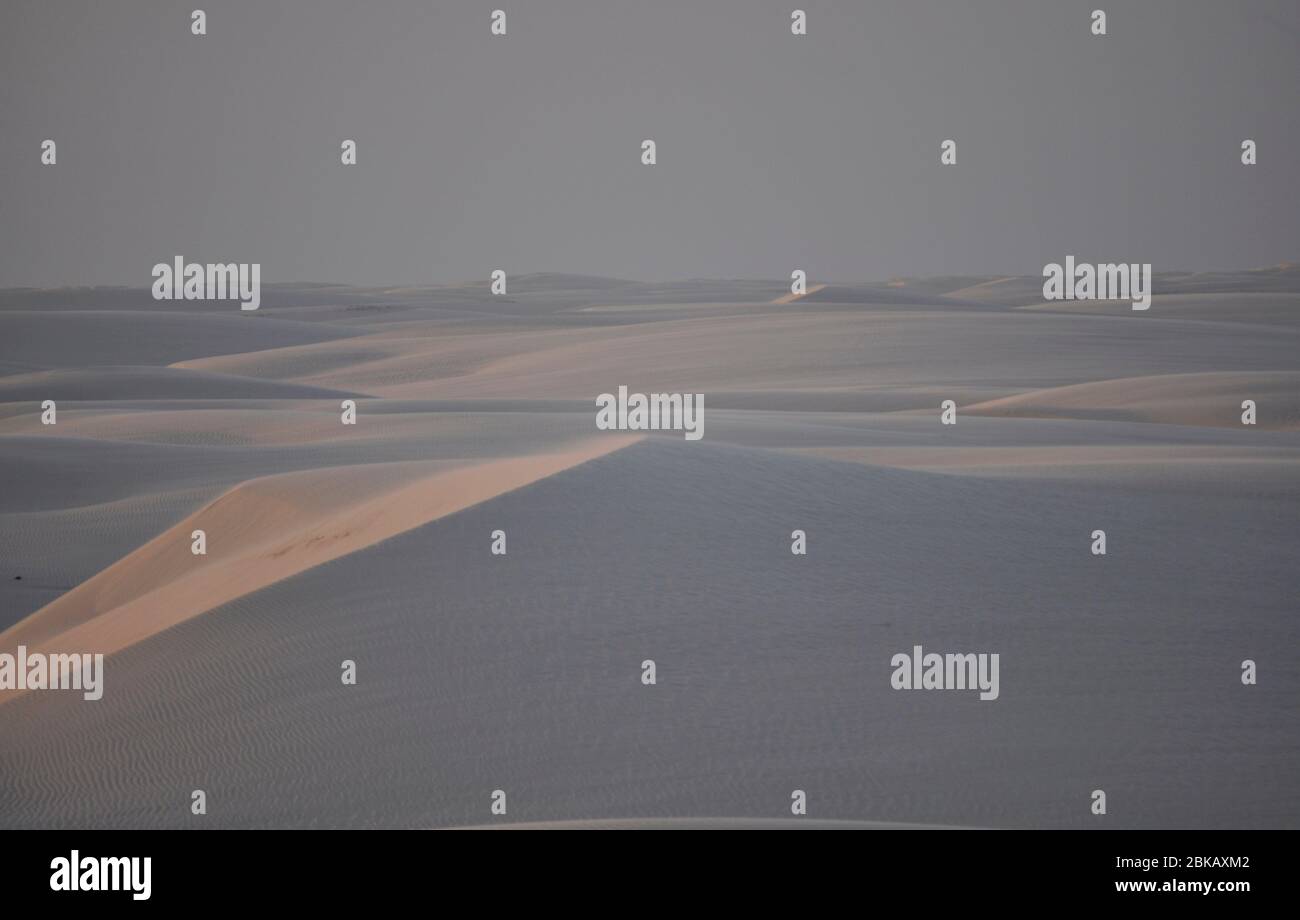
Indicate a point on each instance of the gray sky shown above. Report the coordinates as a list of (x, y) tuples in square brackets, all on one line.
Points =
[(523, 152)]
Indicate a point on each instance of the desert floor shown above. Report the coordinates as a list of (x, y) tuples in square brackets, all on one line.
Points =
[(522, 672)]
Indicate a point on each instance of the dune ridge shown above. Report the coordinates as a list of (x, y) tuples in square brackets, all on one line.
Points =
[(266, 530), (792, 297), (1206, 399)]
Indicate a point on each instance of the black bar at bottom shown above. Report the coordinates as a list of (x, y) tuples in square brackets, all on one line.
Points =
[(336, 869)]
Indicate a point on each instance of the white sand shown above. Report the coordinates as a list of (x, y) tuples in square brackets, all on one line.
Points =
[(521, 672)]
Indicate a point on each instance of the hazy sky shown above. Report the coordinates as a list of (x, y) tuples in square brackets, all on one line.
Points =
[(523, 152)]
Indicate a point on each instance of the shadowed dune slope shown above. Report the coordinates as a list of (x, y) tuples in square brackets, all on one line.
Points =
[(522, 672), (80, 338), (1262, 308), (120, 383)]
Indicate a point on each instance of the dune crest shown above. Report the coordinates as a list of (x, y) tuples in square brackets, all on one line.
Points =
[(791, 298), (268, 529), (1206, 399)]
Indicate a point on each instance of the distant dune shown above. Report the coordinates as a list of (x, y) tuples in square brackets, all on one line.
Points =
[(82, 338), (1172, 399), (118, 383), (791, 298), (1267, 309), (767, 349)]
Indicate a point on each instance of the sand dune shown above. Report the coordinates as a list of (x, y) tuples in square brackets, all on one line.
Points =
[(1175, 399), (810, 350), (81, 338), (792, 297), (522, 672), (1169, 469), (201, 423), (1217, 293), (117, 383), (891, 295), (48, 552), (267, 530), (1268, 309), (371, 542), (984, 290)]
